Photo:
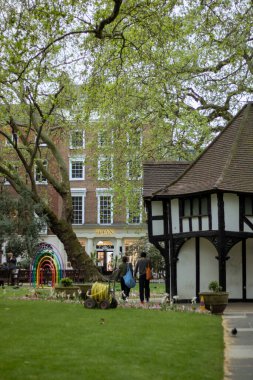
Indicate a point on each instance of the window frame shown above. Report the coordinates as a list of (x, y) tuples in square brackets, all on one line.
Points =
[(191, 201), (71, 161), (104, 193), (38, 172), (132, 141), (104, 140), (79, 192), (82, 146), (14, 140), (104, 158), (131, 177), (140, 214), (244, 205), (44, 229)]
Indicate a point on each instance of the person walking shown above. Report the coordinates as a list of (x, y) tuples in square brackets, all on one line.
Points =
[(125, 290), (12, 263), (142, 263)]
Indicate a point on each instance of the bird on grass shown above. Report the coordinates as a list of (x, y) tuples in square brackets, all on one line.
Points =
[(102, 321), (234, 331)]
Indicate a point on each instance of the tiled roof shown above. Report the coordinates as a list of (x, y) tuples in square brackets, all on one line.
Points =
[(226, 164), (157, 175)]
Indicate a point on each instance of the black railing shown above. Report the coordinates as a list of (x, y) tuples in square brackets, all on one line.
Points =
[(9, 277)]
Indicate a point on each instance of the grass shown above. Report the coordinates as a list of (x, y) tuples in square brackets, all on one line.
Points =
[(156, 288), (64, 341)]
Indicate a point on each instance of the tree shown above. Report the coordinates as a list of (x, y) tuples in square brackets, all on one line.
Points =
[(19, 224), (184, 69), (36, 97), (178, 68)]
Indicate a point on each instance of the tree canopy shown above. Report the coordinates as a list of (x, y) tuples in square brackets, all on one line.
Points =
[(19, 224), (177, 69), (183, 67)]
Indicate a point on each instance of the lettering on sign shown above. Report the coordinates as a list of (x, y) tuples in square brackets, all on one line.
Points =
[(106, 231)]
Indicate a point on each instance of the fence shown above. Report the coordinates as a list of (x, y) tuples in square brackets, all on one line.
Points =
[(25, 275)]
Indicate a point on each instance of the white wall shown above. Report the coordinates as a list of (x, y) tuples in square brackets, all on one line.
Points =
[(234, 271), (157, 208), (209, 268), (249, 268), (231, 210), (175, 215), (186, 267), (247, 228), (186, 271), (186, 226), (157, 227), (205, 223), (56, 243), (214, 211)]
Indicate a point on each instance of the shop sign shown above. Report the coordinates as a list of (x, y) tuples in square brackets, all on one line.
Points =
[(104, 232)]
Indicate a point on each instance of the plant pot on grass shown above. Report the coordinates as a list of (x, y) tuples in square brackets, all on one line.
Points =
[(216, 300)]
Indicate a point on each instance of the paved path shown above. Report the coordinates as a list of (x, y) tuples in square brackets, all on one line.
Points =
[(238, 348)]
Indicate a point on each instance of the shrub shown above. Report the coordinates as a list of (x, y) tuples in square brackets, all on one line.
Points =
[(214, 287), (66, 281)]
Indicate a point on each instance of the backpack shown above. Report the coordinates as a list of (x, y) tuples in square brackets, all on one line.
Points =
[(128, 278)]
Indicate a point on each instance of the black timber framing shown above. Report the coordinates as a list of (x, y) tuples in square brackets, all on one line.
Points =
[(244, 275), (197, 253), (222, 240), (172, 255), (190, 217), (167, 251)]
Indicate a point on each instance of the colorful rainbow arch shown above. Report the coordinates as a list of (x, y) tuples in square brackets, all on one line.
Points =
[(47, 260)]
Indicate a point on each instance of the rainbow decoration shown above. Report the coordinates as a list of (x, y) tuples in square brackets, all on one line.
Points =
[(47, 264)]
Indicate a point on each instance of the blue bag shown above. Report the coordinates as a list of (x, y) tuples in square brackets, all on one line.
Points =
[(128, 278)]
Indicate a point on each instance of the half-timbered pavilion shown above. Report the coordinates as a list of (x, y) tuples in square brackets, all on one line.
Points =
[(200, 215)]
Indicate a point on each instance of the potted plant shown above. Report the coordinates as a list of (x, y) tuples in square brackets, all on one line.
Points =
[(216, 300)]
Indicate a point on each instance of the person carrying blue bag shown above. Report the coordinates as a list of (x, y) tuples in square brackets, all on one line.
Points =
[(125, 276)]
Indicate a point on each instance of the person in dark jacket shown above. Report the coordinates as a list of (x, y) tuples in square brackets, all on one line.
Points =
[(12, 263), (142, 263), (125, 290)]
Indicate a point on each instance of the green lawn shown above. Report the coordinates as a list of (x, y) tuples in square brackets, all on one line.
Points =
[(156, 288), (56, 340)]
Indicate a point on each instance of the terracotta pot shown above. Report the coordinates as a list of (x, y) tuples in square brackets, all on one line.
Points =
[(215, 302)]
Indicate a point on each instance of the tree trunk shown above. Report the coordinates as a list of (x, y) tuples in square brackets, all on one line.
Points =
[(76, 253)]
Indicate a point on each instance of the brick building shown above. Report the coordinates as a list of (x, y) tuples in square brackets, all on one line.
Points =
[(106, 221)]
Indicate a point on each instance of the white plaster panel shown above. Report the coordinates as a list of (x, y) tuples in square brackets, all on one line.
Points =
[(175, 215), (214, 211), (195, 224), (158, 227), (234, 271), (205, 223), (157, 208), (247, 228), (209, 269), (186, 225), (249, 268), (186, 271), (231, 211)]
